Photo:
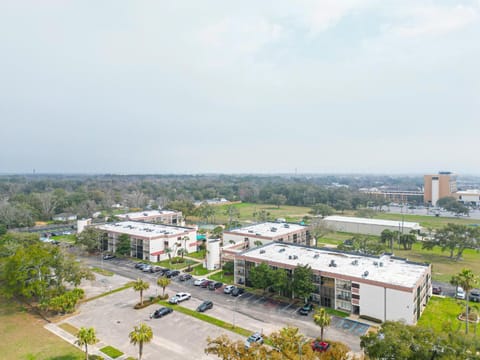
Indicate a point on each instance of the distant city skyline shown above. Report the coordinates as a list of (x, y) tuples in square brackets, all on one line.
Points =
[(306, 87)]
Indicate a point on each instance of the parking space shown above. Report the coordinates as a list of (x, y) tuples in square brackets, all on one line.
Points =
[(176, 336), (349, 326)]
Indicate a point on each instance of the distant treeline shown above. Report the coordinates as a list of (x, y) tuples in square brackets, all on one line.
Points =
[(29, 198)]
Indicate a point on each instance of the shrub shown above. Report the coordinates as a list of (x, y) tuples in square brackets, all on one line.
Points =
[(370, 318)]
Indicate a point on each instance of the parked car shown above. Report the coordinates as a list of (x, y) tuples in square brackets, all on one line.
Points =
[(206, 283), (163, 271), (255, 338), (207, 304), (155, 269), (474, 296), (161, 312), (139, 265), (237, 291), (305, 309), (108, 256), (215, 285), (319, 346), (179, 297), (228, 289), (147, 268), (460, 293), (185, 277), (172, 273), (437, 290), (199, 281)]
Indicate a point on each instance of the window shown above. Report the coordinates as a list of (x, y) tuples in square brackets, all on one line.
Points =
[(355, 296), (356, 286)]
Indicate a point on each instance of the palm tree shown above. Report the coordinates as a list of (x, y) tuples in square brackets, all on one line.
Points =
[(467, 280), (322, 319), (140, 285), (455, 281), (86, 337), (185, 239), (168, 251), (140, 335), (163, 282)]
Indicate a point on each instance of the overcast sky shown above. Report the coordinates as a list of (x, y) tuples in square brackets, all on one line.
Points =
[(239, 86)]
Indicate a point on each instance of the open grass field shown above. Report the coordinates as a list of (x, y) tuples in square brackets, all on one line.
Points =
[(246, 210), (443, 312), (443, 267), (23, 337)]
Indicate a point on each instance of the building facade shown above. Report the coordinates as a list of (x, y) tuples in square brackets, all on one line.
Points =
[(469, 197), (368, 226), (438, 186), (382, 287), (150, 241), (168, 217)]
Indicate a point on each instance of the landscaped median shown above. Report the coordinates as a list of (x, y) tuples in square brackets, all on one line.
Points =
[(211, 320)]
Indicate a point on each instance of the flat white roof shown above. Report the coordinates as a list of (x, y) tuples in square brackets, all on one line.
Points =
[(380, 222), (469, 192), (386, 269), (268, 229), (144, 229), (146, 213)]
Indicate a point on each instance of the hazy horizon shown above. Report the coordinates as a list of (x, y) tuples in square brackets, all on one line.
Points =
[(311, 87)]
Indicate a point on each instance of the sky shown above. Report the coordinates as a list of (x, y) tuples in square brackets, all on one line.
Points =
[(161, 87)]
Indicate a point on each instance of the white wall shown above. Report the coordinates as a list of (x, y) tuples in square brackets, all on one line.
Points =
[(399, 304)]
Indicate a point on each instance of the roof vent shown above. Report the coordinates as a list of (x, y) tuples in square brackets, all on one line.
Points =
[(332, 263), (365, 274), (289, 257), (381, 264), (286, 225), (262, 251), (355, 262), (294, 257), (316, 256), (251, 231), (281, 250), (273, 229), (375, 263)]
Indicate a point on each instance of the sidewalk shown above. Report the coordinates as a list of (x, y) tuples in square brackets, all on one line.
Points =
[(92, 349)]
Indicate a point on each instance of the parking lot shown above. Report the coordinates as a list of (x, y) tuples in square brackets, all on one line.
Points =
[(249, 311)]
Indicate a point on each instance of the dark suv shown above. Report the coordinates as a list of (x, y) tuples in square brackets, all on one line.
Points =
[(474, 296), (305, 309), (207, 304)]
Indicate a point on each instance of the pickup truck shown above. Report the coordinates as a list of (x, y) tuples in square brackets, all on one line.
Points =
[(179, 297)]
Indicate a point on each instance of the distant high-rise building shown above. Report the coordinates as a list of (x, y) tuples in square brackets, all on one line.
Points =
[(439, 186)]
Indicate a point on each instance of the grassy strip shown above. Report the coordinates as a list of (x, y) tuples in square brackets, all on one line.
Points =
[(199, 270), (226, 279), (211, 320), (336, 312), (126, 286), (69, 328), (172, 265), (102, 271), (197, 255), (111, 351)]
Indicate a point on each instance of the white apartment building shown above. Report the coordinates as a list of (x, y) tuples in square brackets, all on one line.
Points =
[(168, 217), (263, 233), (150, 241), (383, 287)]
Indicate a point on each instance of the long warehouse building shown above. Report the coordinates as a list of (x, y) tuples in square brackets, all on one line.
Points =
[(368, 226)]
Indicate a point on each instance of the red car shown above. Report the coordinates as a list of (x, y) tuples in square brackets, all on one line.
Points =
[(319, 345)]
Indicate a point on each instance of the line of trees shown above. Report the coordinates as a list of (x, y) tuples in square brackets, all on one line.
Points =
[(299, 283)]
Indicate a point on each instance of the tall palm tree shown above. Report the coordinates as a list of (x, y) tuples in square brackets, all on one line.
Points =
[(322, 319), (163, 282), (140, 285), (169, 251), (85, 337), (467, 280), (140, 335)]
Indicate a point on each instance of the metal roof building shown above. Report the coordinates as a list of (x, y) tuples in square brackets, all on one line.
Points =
[(368, 226)]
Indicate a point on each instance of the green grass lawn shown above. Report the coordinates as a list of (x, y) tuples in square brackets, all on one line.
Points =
[(171, 265), (442, 313), (197, 255), (246, 210), (226, 279), (442, 266), (25, 338), (111, 351), (102, 271), (199, 270)]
